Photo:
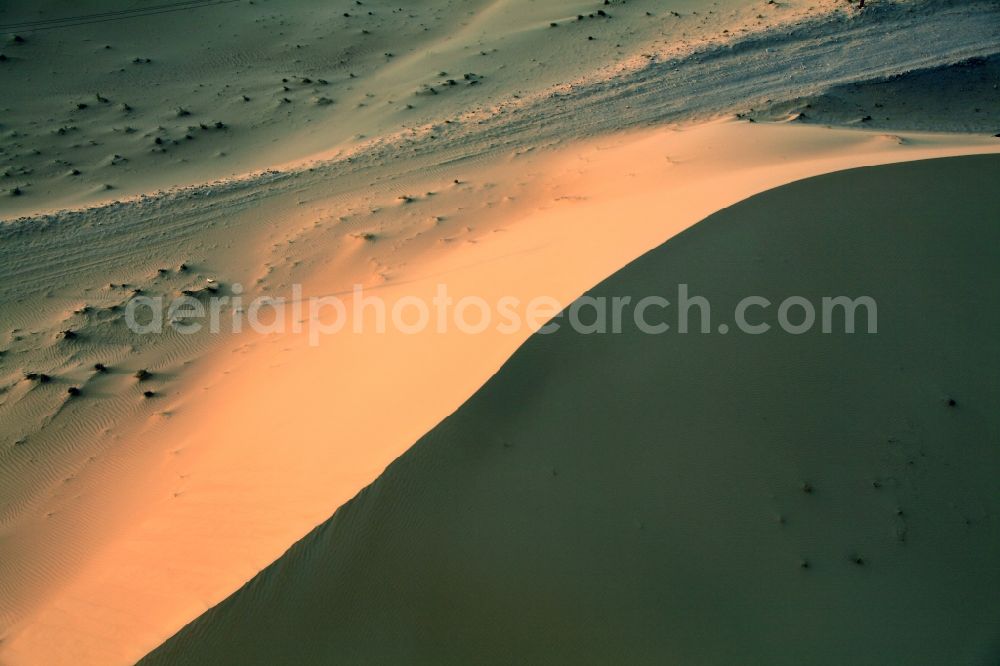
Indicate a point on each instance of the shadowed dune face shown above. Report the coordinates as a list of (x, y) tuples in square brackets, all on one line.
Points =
[(960, 97), (695, 498), (190, 148), (112, 498)]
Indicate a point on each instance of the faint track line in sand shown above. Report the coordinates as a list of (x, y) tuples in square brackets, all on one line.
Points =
[(104, 17)]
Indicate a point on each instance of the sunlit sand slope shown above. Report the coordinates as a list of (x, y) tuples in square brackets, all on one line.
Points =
[(699, 499)]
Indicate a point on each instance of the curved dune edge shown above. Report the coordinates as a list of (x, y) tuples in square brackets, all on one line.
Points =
[(640, 498), (264, 439), (124, 517)]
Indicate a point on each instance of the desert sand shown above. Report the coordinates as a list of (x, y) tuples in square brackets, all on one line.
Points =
[(260, 147), (820, 499)]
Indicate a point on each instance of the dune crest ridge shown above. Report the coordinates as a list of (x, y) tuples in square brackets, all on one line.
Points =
[(638, 497)]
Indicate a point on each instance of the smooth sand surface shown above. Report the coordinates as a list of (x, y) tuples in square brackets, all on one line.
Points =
[(702, 499), (129, 517), (551, 162)]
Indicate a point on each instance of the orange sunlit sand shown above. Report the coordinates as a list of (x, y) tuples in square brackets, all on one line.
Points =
[(514, 156)]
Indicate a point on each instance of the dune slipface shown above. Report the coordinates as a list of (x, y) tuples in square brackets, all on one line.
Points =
[(696, 498)]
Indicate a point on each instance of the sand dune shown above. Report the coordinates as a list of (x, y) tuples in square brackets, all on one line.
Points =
[(821, 499), (127, 517), (502, 148)]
